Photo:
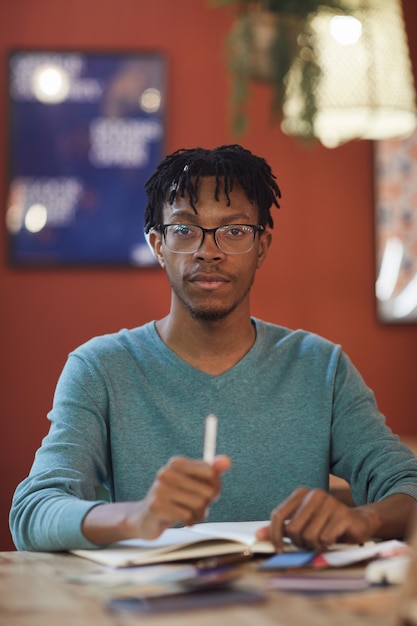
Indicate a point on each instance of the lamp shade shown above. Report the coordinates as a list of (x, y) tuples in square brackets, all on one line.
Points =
[(364, 88)]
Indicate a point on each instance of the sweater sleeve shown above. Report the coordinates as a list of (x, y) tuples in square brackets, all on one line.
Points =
[(364, 451), (49, 505)]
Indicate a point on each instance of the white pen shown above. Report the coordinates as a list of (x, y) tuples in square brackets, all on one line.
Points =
[(210, 436)]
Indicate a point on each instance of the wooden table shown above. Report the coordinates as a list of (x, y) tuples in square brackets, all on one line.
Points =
[(36, 590)]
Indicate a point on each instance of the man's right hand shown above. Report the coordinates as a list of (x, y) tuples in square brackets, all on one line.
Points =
[(180, 494)]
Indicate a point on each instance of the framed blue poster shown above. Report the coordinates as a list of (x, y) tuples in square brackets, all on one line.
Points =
[(86, 130)]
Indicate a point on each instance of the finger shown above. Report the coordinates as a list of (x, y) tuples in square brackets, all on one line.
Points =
[(307, 522), (280, 516), (334, 529), (221, 463), (189, 467), (194, 495), (190, 475), (262, 534)]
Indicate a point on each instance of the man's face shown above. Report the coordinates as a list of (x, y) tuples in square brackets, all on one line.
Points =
[(209, 283)]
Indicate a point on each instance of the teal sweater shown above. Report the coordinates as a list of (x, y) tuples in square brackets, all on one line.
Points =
[(291, 411)]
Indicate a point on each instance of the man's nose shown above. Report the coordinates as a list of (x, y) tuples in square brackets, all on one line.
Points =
[(209, 247)]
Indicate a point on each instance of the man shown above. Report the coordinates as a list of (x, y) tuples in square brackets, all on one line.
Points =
[(129, 407)]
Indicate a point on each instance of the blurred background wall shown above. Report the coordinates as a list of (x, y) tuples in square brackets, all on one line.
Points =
[(320, 273)]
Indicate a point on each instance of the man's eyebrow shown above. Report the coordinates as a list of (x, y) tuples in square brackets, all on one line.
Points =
[(234, 218)]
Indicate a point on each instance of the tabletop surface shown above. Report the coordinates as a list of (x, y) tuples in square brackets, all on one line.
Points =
[(40, 589)]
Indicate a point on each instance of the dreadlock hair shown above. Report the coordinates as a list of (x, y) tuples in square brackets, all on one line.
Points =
[(180, 173)]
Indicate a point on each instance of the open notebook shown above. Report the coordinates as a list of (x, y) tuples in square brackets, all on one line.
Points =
[(228, 538), (177, 544)]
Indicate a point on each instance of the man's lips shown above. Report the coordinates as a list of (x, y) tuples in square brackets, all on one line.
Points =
[(208, 281)]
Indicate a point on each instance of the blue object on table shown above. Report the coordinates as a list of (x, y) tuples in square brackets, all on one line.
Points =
[(289, 559)]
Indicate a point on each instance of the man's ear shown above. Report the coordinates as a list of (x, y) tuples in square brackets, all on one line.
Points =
[(265, 239), (154, 239)]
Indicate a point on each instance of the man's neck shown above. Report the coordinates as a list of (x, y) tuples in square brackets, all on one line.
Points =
[(213, 347)]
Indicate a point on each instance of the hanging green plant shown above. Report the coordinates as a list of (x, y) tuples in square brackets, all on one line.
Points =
[(267, 37)]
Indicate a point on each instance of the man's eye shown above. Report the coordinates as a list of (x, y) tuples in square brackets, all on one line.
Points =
[(237, 231), (183, 231)]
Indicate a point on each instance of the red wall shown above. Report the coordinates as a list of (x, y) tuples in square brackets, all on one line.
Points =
[(320, 273)]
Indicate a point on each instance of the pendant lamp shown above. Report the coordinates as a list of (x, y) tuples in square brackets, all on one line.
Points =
[(364, 88)]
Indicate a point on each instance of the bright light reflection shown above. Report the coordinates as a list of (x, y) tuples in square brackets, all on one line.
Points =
[(36, 218), (390, 268), (150, 100), (143, 254), (347, 30), (406, 301), (50, 84)]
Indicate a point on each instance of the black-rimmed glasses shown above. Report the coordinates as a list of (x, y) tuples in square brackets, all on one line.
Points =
[(231, 239)]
